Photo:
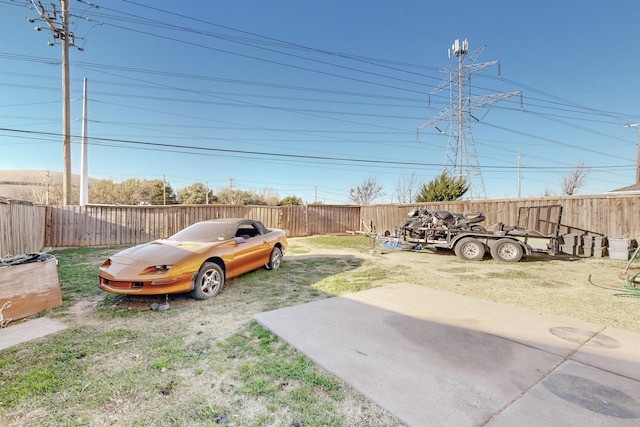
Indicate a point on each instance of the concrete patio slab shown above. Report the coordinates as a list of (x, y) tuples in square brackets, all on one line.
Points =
[(29, 330), (437, 358)]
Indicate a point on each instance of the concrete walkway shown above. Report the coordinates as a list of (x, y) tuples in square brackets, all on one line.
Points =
[(29, 330), (434, 358)]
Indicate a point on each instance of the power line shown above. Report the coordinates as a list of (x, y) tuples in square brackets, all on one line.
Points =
[(257, 38), (96, 140), (92, 66)]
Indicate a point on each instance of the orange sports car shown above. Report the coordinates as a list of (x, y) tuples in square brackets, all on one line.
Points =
[(197, 259)]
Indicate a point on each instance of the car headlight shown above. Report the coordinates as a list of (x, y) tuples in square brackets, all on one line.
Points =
[(162, 268)]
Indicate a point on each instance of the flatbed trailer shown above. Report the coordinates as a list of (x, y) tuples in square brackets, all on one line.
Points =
[(537, 231)]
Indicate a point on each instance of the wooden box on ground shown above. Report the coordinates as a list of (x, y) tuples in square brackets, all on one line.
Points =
[(28, 289)]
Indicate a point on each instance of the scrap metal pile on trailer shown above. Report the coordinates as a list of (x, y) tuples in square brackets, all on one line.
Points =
[(536, 231)]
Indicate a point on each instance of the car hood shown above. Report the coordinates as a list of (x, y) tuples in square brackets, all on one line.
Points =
[(161, 252)]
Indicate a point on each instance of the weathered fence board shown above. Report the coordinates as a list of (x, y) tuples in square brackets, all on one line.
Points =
[(324, 219), (294, 220), (22, 228)]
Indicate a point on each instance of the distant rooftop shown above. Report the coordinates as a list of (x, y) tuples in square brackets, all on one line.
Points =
[(634, 188)]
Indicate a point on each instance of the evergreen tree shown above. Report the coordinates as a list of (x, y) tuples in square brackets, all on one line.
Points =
[(443, 188), (290, 200)]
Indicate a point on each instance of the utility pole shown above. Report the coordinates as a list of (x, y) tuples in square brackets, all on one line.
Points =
[(518, 172), (461, 159), (84, 174), (60, 31), (46, 197), (164, 190), (66, 107), (631, 125)]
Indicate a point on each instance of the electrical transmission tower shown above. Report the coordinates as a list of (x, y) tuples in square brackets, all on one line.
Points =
[(461, 159)]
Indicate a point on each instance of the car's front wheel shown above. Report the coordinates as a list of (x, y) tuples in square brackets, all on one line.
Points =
[(274, 259), (209, 281)]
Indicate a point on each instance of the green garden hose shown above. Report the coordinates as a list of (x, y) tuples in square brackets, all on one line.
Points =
[(629, 289)]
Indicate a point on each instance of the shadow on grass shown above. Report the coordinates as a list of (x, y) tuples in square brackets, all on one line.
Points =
[(299, 280)]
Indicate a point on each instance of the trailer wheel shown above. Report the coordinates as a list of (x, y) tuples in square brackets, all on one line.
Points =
[(506, 250), (469, 249)]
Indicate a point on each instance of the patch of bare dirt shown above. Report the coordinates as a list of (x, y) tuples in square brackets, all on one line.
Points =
[(85, 306)]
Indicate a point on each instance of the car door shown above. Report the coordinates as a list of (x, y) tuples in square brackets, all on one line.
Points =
[(250, 253)]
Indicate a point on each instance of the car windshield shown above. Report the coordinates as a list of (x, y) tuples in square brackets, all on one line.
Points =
[(205, 232)]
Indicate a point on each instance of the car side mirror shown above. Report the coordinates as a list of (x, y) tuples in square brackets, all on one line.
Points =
[(238, 240)]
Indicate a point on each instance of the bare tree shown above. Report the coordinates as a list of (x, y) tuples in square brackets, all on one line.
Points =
[(132, 191), (233, 196), (366, 192), (270, 196), (547, 192), (574, 180), (39, 192), (407, 188)]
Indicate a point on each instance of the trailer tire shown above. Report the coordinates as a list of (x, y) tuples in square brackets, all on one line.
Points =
[(469, 249), (506, 250)]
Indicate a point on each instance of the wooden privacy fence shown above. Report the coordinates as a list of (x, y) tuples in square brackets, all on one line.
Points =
[(21, 228), (126, 225), (27, 228)]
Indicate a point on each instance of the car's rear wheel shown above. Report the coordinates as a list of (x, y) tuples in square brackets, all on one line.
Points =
[(209, 281), (274, 259)]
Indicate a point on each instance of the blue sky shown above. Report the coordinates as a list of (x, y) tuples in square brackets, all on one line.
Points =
[(312, 98)]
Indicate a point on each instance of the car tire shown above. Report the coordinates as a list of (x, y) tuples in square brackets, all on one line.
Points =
[(274, 259), (209, 281), (469, 249)]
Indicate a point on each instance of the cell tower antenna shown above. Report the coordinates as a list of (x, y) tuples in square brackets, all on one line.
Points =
[(461, 158)]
